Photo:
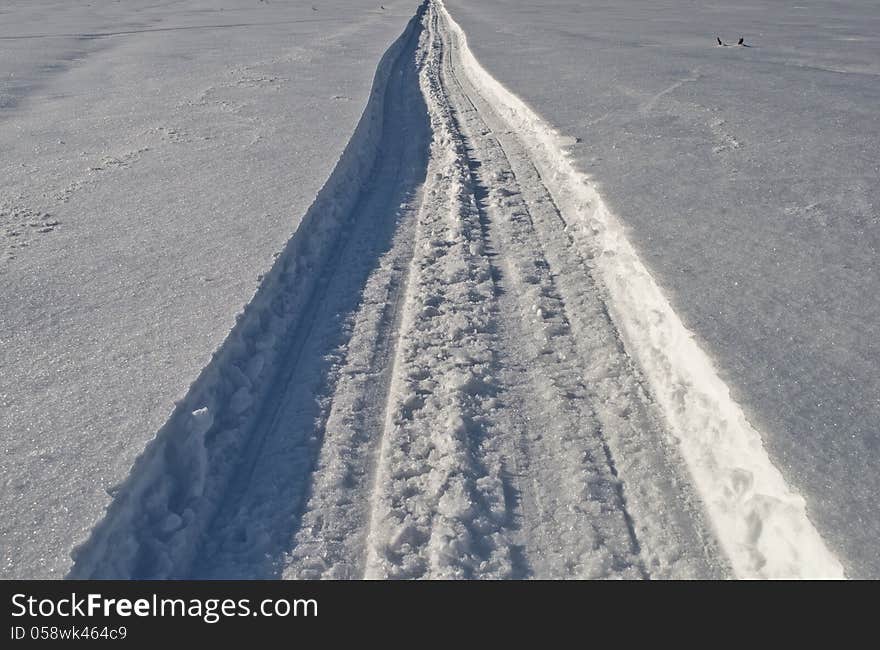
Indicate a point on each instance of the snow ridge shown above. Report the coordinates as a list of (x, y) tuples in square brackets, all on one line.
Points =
[(760, 522), (153, 526)]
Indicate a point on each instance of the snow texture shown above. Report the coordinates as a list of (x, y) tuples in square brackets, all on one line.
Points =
[(457, 366), (746, 180), (164, 153), (445, 389)]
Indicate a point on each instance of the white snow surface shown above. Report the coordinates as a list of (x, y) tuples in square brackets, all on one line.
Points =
[(155, 156), (760, 522), (465, 357), (747, 181), (442, 393)]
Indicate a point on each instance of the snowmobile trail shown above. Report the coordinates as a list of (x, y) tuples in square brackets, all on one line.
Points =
[(448, 391), (338, 378), (536, 434)]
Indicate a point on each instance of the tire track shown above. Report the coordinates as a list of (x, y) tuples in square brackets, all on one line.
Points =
[(439, 508), (585, 530), (594, 370), (332, 533), (297, 507)]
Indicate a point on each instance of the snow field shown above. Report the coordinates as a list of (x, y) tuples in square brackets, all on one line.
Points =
[(457, 368)]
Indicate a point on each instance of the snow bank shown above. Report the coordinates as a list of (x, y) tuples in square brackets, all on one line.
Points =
[(761, 523)]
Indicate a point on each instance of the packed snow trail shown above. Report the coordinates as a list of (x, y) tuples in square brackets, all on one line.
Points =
[(453, 397), (503, 470), (338, 380)]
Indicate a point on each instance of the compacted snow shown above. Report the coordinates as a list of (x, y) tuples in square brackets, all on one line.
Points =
[(470, 359)]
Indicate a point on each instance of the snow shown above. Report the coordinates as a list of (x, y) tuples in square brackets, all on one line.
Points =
[(746, 179), (174, 146), (465, 358), (407, 426), (759, 521)]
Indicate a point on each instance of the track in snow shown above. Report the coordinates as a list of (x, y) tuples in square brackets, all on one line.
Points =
[(450, 397), (335, 382), (505, 469)]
